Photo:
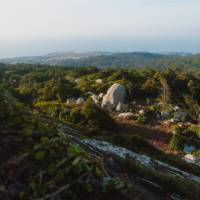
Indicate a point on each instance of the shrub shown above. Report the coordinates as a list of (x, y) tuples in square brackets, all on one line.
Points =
[(142, 119), (196, 153), (91, 115), (176, 129), (176, 143), (75, 115), (148, 116), (51, 108), (195, 129), (95, 117)]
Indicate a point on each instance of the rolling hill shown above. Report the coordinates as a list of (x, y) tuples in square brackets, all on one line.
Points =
[(108, 59)]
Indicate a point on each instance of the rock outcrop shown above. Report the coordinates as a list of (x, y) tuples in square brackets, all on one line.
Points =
[(127, 115), (100, 95), (192, 159), (70, 101), (95, 98), (78, 80), (99, 81), (115, 94), (80, 100)]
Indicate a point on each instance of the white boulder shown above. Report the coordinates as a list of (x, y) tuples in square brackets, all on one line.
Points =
[(95, 99), (127, 115), (78, 80), (99, 81), (166, 122), (141, 111), (71, 101), (115, 94), (192, 159), (101, 95), (176, 108), (80, 101), (172, 120)]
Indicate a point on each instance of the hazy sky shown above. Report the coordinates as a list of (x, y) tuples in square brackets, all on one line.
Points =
[(33, 27)]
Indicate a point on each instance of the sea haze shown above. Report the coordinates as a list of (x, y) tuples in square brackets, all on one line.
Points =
[(39, 46)]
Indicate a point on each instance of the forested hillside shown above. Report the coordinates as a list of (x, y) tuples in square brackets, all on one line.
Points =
[(122, 60)]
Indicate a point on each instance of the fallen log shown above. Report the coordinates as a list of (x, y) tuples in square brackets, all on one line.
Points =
[(154, 167)]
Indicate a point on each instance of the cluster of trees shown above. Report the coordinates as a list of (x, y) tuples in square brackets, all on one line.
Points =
[(35, 83), (87, 114)]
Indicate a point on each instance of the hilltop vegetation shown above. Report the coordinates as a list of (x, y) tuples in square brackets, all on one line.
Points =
[(38, 161), (120, 60), (33, 83)]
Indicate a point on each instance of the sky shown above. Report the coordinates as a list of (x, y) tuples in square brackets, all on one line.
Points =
[(36, 27)]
